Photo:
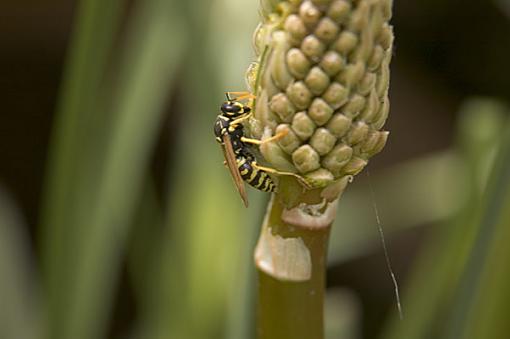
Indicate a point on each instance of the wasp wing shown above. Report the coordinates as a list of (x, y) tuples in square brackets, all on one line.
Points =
[(230, 157)]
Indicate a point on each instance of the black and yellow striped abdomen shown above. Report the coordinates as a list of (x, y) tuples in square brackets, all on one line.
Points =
[(253, 176)]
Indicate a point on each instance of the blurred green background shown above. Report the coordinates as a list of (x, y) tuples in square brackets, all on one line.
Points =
[(118, 220)]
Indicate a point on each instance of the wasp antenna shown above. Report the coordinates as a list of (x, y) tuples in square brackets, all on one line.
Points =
[(240, 95)]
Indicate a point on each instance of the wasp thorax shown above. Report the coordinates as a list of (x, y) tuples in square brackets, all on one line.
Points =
[(324, 79)]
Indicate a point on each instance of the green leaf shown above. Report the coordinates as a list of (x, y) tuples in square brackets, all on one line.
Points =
[(99, 220), (20, 310)]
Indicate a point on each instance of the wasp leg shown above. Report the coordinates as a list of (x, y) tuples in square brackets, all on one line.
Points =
[(260, 142), (276, 172), (239, 95)]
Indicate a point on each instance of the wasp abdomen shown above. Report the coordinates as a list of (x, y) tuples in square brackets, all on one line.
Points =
[(254, 176)]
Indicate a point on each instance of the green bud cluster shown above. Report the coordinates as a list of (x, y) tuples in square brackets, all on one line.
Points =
[(322, 78)]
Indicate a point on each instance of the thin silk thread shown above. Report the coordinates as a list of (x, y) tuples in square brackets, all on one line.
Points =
[(385, 249)]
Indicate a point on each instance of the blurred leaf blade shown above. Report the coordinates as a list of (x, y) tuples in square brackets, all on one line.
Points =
[(481, 301), (490, 311), (149, 65), (91, 43), (100, 228), (145, 243), (20, 309)]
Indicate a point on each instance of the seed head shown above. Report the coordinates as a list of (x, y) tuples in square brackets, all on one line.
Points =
[(322, 78)]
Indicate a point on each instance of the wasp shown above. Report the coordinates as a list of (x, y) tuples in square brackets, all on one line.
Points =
[(239, 158)]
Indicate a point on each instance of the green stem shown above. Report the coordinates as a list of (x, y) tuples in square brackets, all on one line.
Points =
[(291, 262)]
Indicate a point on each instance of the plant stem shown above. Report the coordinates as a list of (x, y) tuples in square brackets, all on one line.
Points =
[(291, 261)]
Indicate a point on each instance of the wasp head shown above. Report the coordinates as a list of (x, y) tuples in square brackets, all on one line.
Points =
[(234, 108)]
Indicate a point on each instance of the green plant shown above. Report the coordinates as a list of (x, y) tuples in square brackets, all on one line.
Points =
[(322, 78), (123, 250)]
